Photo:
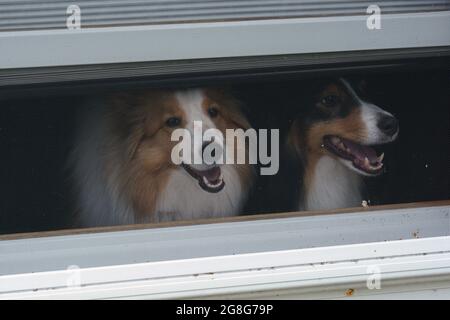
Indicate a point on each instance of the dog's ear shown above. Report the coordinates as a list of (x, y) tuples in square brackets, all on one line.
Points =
[(362, 86), (238, 117), (122, 101), (294, 140), (133, 141), (236, 110), (127, 120)]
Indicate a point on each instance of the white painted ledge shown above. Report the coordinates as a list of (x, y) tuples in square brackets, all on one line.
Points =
[(299, 257), (28, 49)]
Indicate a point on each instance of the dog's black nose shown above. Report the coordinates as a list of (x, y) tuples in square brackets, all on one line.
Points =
[(388, 124), (204, 145)]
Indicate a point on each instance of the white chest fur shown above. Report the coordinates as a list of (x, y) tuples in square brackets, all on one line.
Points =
[(332, 186), (184, 199)]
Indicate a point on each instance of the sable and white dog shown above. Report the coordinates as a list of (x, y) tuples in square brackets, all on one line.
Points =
[(122, 167), (333, 137)]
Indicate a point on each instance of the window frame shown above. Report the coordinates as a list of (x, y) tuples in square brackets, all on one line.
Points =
[(413, 265), (414, 250), (52, 48)]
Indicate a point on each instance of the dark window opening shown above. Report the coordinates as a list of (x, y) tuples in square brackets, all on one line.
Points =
[(37, 133)]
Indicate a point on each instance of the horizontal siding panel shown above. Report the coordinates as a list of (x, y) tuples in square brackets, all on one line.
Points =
[(42, 14)]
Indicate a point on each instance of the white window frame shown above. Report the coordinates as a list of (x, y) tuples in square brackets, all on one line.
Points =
[(49, 48), (323, 255)]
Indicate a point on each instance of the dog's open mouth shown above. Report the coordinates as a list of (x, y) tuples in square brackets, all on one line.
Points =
[(210, 180), (363, 158)]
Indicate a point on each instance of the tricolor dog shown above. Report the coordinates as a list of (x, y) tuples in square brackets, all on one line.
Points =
[(333, 137)]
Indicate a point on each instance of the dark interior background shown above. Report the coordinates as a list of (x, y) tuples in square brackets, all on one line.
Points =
[(36, 135)]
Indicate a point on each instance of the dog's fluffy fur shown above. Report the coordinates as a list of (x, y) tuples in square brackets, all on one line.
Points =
[(122, 168), (330, 137)]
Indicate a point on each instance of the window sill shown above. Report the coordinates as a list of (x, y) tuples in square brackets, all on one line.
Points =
[(321, 256)]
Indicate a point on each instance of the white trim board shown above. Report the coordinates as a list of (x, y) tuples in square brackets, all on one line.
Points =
[(29, 49), (310, 271), (221, 239), (304, 254)]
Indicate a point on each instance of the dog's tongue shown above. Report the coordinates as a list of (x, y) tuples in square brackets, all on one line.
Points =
[(211, 174), (361, 151)]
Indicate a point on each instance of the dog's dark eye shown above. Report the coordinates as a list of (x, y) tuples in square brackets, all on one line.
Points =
[(330, 101), (173, 122), (213, 112)]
